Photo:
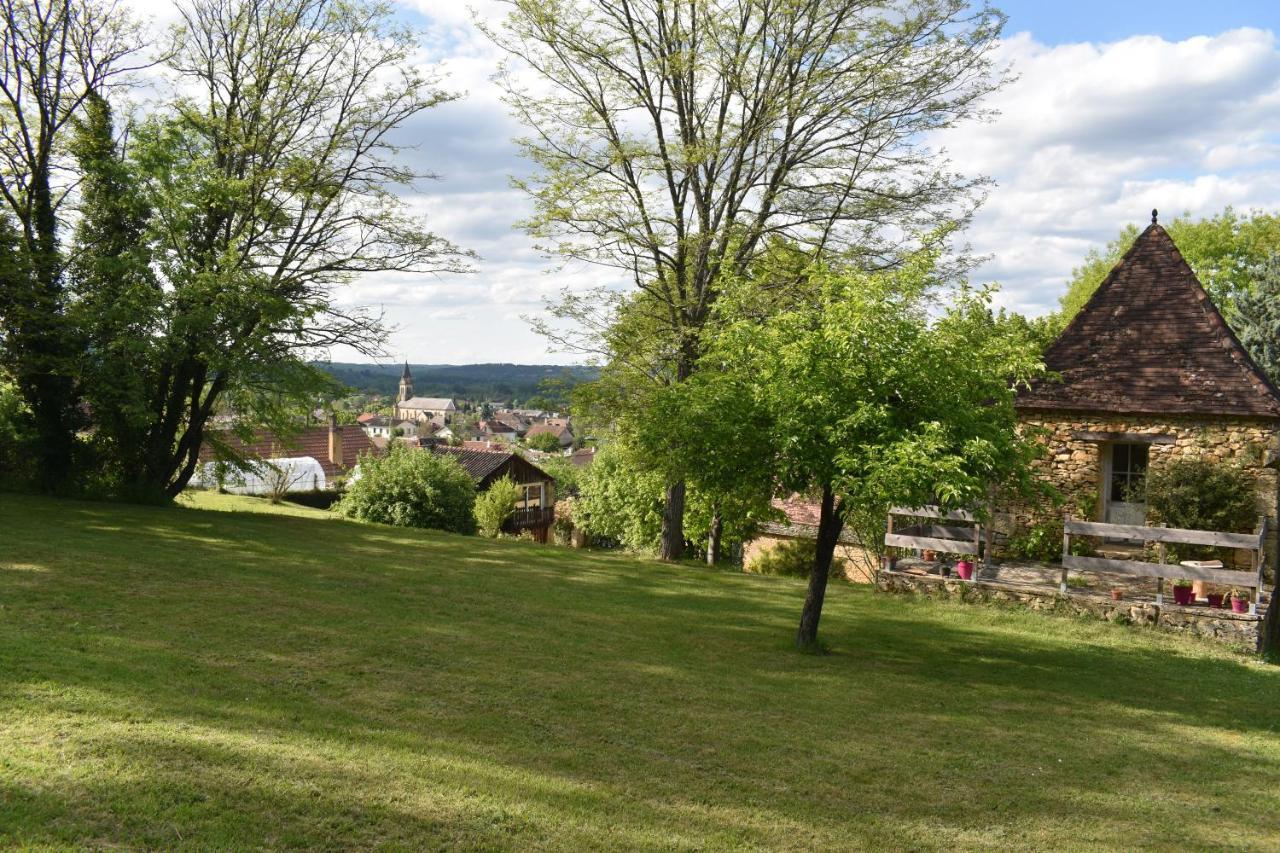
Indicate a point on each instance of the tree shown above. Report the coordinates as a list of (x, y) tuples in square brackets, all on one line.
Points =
[(1226, 251), (672, 141), (54, 56), (543, 441), (495, 505), (269, 185), (1257, 318), (870, 404), (412, 488)]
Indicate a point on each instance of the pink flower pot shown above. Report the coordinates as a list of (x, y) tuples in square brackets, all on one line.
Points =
[(1182, 595), (965, 570), (1240, 605)]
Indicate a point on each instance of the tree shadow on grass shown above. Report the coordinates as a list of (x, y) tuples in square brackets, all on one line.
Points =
[(593, 694)]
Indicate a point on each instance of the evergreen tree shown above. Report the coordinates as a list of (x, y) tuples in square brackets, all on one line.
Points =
[(1257, 318)]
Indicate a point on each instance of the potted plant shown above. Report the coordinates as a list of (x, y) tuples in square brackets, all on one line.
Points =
[(1239, 601), (964, 569), (1116, 593), (1182, 592), (1215, 598), (929, 555)]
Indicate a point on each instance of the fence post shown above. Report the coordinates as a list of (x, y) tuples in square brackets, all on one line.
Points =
[(1066, 549), (1259, 560), (1160, 577)]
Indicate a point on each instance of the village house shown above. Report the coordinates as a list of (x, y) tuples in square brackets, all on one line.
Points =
[(488, 463), (408, 407), (556, 427), (316, 458), (1146, 373)]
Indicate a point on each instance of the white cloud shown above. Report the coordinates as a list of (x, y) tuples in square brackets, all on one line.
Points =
[(1092, 137)]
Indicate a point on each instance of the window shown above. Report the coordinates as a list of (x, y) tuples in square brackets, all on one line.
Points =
[(532, 496), (1129, 473)]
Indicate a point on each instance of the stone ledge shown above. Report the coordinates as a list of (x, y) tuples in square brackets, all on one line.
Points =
[(1239, 630)]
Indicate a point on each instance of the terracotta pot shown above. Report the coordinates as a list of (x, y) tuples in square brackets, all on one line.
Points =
[(1182, 595), (1240, 605), (1117, 594), (930, 556), (1215, 599), (965, 570)]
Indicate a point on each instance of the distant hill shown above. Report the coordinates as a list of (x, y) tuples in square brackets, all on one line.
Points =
[(466, 381)]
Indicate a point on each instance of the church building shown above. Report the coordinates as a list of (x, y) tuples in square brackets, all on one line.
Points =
[(438, 410)]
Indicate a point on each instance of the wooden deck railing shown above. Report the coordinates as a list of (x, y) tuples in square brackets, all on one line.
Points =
[(1160, 570), (523, 519)]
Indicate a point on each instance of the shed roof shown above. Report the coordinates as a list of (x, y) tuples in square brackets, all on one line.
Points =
[(1150, 341)]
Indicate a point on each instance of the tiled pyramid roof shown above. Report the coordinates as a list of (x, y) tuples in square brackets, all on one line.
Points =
[(1150, 341)]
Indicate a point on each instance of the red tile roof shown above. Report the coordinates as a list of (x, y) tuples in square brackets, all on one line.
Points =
[(313, 442), (1150, 341)]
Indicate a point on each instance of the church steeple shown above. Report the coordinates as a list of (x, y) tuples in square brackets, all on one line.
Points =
[(406, 384)]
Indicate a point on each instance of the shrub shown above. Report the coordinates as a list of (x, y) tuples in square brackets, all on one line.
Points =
[(495, 506), (792, 558), (1203, 495), (1042, 542), (412, 488), (544, 441)]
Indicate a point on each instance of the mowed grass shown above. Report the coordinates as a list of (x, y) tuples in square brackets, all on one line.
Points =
[(183, 677)]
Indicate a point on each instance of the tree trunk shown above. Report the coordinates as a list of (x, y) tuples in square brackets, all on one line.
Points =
[(672, 544), (713, 537), (829, 526)]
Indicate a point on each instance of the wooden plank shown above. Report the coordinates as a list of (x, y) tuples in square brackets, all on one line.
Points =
[(948, 546), (938, 531), (1162, 534), (1129, 437), (1152, 570), (934, 512)]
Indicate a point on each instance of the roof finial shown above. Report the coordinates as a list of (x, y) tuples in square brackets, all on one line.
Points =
[(1154, 214)]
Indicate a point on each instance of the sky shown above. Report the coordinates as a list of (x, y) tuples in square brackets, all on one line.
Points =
[(1118, 108)]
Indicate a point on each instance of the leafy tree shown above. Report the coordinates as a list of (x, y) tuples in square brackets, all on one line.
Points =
[(1226, 251), (543, 441), (672, 141), (1257, 318), (869, 404), (268, 182), (619, 500), (412, 488), (54, 56), (495, 505)]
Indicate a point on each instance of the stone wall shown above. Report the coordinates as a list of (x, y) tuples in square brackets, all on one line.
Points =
[(1074, 464), (859, 565), (1237, 630)]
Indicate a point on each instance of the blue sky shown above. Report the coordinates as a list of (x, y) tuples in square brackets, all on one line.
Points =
[(1096, 20), (1119, 107)]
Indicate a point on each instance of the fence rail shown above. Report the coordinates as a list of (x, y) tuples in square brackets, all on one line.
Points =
[(948, 538), (1160, 570)]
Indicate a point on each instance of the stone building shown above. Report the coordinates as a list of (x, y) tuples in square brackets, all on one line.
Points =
[(1148, 372), (438, 410)]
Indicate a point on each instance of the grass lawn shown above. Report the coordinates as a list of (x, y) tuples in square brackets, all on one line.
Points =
[(189, 677)]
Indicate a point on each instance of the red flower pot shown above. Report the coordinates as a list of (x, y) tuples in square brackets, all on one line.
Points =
[(1240, 605), (1117, 594), (1182, 595), (1215, 598), (965, 570)]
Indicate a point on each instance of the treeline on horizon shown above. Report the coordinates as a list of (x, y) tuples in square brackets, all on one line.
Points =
[(495, 381)]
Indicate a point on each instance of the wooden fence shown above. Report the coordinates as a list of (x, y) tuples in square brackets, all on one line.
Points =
[(947, 538), (1160, 570)]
